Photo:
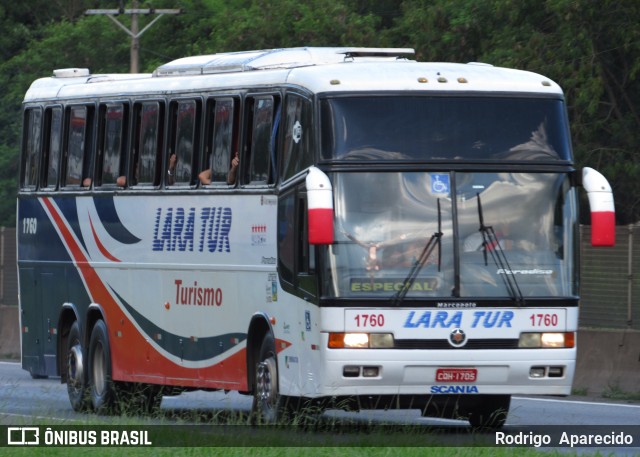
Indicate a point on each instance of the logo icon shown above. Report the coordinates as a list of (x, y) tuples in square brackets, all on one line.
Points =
[(23, 436), (457, 338)]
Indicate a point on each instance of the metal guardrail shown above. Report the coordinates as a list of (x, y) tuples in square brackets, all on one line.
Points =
[(610, 280)]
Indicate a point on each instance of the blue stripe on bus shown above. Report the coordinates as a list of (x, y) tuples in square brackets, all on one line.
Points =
[(69, 210), (106, 209)]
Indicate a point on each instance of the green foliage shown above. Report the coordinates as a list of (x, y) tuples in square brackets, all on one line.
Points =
[(592, 49)]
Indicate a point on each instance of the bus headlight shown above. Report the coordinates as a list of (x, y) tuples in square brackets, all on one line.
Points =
[(360, 340), (547, 340)]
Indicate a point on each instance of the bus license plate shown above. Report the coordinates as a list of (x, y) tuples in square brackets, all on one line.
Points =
[(456, 375)]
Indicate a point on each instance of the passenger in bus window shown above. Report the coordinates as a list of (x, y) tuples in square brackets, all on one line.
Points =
[(122, 180), (171, 171), (205, 175), (233, 171)]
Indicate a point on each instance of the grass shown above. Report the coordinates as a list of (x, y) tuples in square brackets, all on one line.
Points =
[(613, 392), (295, 451), (230, 437), (226, 433)]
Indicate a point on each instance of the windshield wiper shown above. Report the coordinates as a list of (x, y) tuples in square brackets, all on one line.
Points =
[(435, 240), (491, 244)]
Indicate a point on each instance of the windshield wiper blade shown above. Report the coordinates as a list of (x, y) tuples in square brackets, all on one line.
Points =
[(491, 245), (435, 240)]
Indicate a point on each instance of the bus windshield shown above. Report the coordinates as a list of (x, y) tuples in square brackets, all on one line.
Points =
[(420, 235), (415, 128)]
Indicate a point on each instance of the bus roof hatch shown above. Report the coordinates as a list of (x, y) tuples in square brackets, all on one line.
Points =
[(276, 58)]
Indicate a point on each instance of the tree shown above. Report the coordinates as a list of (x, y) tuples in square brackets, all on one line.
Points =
[(592, 49)]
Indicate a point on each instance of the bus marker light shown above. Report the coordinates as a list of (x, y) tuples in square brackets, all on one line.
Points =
[(356, 340), (552, 340), (167, 305), (556, 372), (381, 340), (370, 372), (536, 372), (423, 80), (360, 341), (547, 340), (350, 371)]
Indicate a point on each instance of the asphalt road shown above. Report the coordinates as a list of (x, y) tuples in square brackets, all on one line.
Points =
[(25, 401)]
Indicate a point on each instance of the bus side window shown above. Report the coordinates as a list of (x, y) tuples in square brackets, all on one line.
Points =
[(51, 147), (31, 148), (148, 144), (286, 235), (222, 140), (297, 152), (261, 139), (185, 119), (111, 143), (307, 280), (296, 257), (77, 147)]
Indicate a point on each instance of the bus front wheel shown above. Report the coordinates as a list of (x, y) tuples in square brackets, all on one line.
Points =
[(267, 402), (76, 374), (101, 385)]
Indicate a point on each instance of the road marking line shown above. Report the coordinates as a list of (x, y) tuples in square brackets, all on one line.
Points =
[(576, 402), (40, 417)]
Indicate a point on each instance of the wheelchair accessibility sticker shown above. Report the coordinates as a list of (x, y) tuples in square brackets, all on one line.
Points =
[(440, 183)]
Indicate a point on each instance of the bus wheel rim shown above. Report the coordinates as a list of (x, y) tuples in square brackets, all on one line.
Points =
[(75, 366), (266, 386)]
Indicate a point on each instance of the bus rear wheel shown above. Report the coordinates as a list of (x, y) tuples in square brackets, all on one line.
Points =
[(268, 404), (76, 374), (101, 385)]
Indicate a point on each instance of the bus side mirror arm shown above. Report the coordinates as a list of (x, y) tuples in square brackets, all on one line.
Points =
[(603, 217)]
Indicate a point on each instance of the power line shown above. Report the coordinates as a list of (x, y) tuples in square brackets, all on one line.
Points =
[(133, 32)]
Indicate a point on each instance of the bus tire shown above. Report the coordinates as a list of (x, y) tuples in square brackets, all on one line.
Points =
[(490, 413), (268, 404), (101, 385), (76, 369)]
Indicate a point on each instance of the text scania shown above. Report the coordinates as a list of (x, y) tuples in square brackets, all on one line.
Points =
[(454, 390), (188, 230), (196, 295), (445, 319)]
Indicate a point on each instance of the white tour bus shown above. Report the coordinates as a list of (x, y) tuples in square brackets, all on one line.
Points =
[(335, 227)]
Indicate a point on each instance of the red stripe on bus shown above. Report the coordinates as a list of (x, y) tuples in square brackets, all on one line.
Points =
[(101, 247)]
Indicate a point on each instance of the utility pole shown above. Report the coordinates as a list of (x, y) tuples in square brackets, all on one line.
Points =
[(133, 32)]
